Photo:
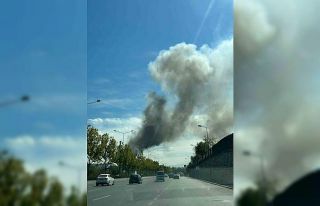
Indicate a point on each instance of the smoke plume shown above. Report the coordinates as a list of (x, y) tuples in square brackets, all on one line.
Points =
[(276, 60), (190, 76)]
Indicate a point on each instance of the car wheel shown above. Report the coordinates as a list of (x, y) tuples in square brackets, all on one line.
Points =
[(97, 184), (113, 183)]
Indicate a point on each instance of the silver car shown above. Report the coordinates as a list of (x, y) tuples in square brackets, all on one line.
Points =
[(104, 179), (160, 176)]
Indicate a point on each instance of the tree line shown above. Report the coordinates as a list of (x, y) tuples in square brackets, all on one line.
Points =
[(103, 151), (22, 188)]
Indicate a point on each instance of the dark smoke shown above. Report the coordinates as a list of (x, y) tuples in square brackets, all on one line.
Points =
[(154, 123)]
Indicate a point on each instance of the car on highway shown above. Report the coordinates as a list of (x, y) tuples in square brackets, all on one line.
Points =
[(160, 176), (171, 175), (166, 175), (176, 176), (135, 178), (104, 179)]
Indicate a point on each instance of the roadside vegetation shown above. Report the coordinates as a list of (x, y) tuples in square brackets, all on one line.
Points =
[(19, 187), (201, 149), (106, 155)]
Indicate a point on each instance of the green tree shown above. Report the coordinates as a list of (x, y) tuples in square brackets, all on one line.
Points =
[(39, 182), (54, 197), (83, 201), (102, 150), (73, 199), (127, 157), (111, 149), (252, 197), (201, 148), (13, 179), (210, 140), (93, 145), (260, 195), (18, 187)]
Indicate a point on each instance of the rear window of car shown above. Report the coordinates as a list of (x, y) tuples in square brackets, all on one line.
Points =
[(160, 173), (103, 175)]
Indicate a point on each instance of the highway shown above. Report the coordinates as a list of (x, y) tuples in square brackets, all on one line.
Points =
[(184, 191)]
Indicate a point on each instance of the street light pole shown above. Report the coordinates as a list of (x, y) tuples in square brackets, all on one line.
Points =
[(23, 98), (98, 100), (207, 133), (199, 125), (123, 133)]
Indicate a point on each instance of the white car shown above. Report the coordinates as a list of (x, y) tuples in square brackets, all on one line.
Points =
[(104, 179)]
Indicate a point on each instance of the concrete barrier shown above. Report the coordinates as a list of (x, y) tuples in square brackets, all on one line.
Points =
[(219, 175)]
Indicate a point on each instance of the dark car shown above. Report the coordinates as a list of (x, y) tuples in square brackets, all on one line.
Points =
[(171, 175), (135, 178)]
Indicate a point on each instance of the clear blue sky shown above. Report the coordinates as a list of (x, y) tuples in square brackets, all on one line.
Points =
[(124, 36), (43, 54)]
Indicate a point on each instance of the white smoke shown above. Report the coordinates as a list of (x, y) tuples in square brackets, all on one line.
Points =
[(276, 74), (252, 28)]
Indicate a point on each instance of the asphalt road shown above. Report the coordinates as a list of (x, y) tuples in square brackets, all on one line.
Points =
[(184, 191)]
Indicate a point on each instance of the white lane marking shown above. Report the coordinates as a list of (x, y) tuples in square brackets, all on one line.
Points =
[(101, 197)]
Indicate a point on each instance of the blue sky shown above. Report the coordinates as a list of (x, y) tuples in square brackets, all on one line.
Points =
[(43, 52), (124, 36), (43, 55)]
